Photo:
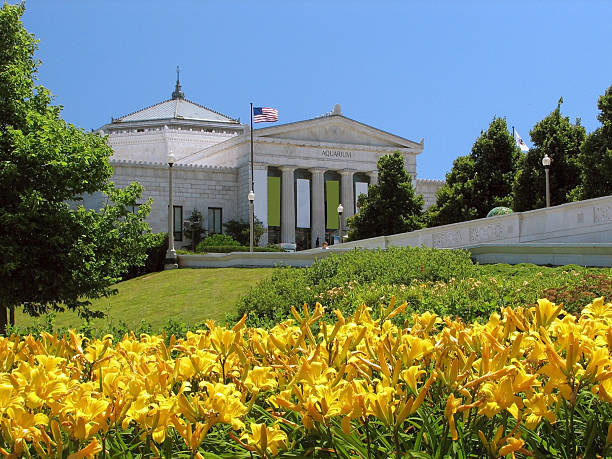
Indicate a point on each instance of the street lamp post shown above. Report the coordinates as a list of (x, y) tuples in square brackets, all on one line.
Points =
[(171, 261), (546, 163), (340, 210), (251, 220)]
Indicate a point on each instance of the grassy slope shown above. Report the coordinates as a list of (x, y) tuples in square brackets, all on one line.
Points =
[(187, 295)]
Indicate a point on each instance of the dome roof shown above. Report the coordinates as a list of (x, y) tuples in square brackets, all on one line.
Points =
[(499, 211)]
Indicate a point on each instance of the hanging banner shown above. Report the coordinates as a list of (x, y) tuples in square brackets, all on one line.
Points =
[(332, 197), (261, 196), (274, 201), (360, 188), (303, 203)]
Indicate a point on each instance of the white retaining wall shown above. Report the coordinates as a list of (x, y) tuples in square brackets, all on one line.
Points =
[(574, 233), (587, 221)]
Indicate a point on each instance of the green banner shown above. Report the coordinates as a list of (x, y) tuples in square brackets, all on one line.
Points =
[(274, 201), (332, 194)]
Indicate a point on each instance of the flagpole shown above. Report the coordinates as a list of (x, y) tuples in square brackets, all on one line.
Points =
[(252, 179), (251, 193)]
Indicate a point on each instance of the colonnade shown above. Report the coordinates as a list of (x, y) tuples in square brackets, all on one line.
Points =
[(317, 201)]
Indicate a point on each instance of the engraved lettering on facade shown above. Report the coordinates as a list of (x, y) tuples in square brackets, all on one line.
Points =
[(486, 233), (602, 215), (337, 154), (447, 239)]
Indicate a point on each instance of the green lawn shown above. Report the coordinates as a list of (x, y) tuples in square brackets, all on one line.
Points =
[(186, 295)]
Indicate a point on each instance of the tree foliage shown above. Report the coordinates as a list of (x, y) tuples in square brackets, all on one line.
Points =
[(241, 231), (55, 254), (455, 200), (595, 158), (391, 206), (480, 181), (561, 140)]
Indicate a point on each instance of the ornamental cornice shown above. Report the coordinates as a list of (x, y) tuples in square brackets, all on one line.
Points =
[(160, 141), (163, 165), (240, 140), (175, 132), (423, 180), (336, 146)]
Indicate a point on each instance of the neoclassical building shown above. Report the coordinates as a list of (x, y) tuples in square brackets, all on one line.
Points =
[(302, 170)]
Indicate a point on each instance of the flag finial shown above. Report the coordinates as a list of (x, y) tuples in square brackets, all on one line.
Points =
[(178, 93)]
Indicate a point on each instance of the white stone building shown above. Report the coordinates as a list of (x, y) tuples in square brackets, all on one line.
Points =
[(302, 170)]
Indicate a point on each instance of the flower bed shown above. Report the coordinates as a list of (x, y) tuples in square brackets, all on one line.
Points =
[(531, 381)]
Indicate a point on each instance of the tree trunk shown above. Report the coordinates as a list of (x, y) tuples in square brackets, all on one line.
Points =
[(3, 320), (12, 316)]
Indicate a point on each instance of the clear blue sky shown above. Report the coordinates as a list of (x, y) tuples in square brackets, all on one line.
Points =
[(419, 69)]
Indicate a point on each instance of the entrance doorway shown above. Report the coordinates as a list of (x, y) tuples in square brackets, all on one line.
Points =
[(303, 238)]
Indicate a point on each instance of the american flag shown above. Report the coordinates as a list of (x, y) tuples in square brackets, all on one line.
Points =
[(265, 115)]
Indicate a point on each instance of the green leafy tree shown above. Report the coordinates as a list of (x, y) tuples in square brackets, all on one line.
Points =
[(595, 158), (55, 254), (194, 230), (561, 140), (480, 181), (455, 200), (391, 206), (241, 231)]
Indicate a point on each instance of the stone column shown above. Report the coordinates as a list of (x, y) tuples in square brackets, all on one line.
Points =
[(373, 177), (317, 206), (346, 195), (287, 205)]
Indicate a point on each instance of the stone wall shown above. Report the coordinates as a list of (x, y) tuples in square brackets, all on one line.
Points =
[(198, 187), (428, 188), (587, 221), (153, 144)]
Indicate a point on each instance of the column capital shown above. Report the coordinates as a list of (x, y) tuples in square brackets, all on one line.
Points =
[(317, 170), (287, 168), (372, 173), (347, 172)]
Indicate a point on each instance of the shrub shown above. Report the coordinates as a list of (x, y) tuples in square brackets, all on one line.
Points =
[(234, 248), (272, 299), (194, 231), (241, 231), (442, 281), (217, 240), (156, 254)]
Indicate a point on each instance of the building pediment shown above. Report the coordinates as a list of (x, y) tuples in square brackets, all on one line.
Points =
[(337, 129)]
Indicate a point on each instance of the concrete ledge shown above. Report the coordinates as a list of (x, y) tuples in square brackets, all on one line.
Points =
[(555, 254), (251, 260)]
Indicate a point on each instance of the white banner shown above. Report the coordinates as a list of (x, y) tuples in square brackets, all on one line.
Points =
[(303, 203), (360, 188), (260, 177)]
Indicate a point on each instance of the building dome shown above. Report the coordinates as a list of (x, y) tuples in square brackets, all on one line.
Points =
[(499, 211)]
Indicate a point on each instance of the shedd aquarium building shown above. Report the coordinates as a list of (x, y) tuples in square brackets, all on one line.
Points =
[(302, 170)]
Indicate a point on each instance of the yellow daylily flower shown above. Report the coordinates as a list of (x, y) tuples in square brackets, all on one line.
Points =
[(266, 440), (261, 379), (538, 407), (500, 396)]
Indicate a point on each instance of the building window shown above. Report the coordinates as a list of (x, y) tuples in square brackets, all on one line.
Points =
[(215, 221), (178, 223), (133, 209)]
